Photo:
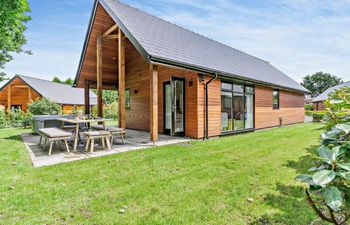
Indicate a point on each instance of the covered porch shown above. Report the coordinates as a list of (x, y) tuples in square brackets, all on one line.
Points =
[(108, 61)]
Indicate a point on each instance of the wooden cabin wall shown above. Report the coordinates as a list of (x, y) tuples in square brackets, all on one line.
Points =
[(137, 81), (191, 98), (19, 95), (214, 106), (291, 108)]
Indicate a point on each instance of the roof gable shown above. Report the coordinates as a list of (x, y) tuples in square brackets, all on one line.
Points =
[(60, 93)]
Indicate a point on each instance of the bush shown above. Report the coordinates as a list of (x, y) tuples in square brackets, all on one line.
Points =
[(309, 107), (44, 107), (17, 118), (318, 115), (308, 113), (109, 111)]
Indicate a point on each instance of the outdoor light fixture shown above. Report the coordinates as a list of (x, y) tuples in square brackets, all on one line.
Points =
[(190, 83), (201, 77)]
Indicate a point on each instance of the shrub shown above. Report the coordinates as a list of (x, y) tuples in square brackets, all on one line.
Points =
[(109, 111), (308, 113), (328, 185), (44, 107), (308, 107), (4, 121), (318, 115)]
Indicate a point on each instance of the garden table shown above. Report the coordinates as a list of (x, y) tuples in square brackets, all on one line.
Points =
[(77, 123)]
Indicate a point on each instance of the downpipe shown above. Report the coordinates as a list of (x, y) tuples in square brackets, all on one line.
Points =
[(206, 87)]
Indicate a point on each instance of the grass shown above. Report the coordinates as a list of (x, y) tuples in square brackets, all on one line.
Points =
[(204, 182)]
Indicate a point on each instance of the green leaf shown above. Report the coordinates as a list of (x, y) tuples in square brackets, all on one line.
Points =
[(344, 127), (338, 151), (323, 177), (344, 166), (344, 175), (325, 153), (306, 178), (314, 169), (333, 198)]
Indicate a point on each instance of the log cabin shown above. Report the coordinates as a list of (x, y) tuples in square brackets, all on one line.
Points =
[(176, 82), (21, 90)]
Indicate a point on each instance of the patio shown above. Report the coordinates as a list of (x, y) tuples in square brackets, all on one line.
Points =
[(134, 140)]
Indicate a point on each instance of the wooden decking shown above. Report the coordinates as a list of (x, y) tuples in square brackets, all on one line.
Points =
[(134, 140)]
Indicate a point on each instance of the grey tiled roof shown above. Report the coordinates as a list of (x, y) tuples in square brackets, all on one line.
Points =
[(324, 95), (60, 93), (160, 40)]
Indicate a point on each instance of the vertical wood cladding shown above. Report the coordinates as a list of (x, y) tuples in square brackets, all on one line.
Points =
[(137, 80), (291, 108), (214, 105)]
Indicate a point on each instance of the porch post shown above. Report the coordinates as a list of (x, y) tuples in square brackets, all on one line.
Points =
[(87, 97), (99, 76), (121, 78), (29, 94), (154, 102), (9, 98)]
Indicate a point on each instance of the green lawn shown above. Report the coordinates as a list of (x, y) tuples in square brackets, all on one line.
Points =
[(204, 182)]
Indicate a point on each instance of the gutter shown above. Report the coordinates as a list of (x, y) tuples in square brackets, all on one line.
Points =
[(206, 87), (200, 69)]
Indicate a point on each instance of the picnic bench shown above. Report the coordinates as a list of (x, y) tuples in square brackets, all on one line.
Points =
[(92, 135), (115, 131), (53, 135)]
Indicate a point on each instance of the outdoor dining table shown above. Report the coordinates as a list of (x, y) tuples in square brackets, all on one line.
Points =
[(77, 123)]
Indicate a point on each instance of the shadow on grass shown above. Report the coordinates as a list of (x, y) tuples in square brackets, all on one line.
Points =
[(13, 138), (291, 205), (290, 200), (305, 162)]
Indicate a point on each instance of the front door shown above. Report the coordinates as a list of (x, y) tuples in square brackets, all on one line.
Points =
[(174, 107)]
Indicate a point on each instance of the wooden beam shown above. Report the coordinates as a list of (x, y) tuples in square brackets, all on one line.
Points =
[(9, 98), (154, 102), (99, 76), (87, 97), (121, 78), (111, 37), (110, 30), (19, 86), (29, 94)]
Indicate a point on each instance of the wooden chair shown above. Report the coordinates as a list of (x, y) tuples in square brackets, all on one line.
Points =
[(91, 136), (53, 135)]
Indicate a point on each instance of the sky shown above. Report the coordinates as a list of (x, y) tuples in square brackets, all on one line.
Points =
[(299, 37)]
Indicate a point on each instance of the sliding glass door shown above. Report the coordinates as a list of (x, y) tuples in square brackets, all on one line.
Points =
[(237, 107)]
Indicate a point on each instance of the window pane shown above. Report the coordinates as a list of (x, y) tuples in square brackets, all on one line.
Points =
[(238, 88), (249, 109), (226, 111), (127, 98), (276, 99), (238, 111), (249, 90), (226, 86)]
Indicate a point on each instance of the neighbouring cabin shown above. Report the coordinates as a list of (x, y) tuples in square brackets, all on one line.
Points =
[(176, 82), (18, 92), (318, 101)]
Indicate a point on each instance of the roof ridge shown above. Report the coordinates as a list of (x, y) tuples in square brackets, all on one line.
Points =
[(187, 29), (35, 78)]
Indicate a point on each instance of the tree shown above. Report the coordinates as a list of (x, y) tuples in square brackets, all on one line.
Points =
[(108, 96), (12, 26), (319, 82), (68, 81)]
